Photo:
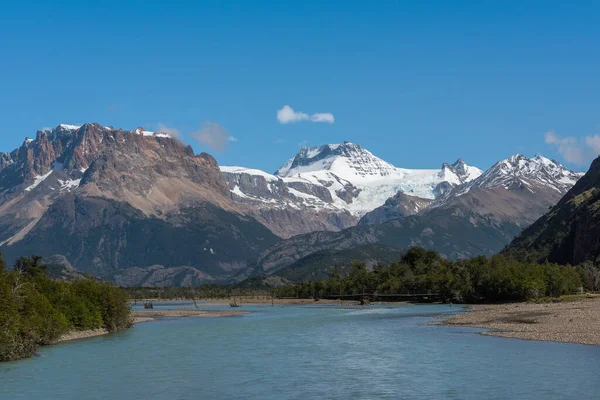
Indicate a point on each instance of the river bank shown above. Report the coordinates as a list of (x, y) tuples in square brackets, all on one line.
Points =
[(249, 300), (568, 321), (148, 316)]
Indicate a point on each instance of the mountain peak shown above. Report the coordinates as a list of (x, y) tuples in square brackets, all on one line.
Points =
[(459, 172), (347, 160), (75, 147), (523, 172), (63, 130), (318, 152)]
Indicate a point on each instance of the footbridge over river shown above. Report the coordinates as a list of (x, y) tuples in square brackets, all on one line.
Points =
[(421, 297)]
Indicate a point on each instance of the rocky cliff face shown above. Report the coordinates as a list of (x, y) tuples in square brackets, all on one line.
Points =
[(109, 200), (287, 208)]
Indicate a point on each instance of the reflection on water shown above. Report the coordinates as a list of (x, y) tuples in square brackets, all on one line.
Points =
[(304, 352)]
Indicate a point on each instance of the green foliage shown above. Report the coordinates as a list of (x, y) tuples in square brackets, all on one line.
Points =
[(316, 265), (36, 311), (475, 280)]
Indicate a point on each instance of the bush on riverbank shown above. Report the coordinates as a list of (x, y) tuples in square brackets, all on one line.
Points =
[(35, 310), (475, 280)]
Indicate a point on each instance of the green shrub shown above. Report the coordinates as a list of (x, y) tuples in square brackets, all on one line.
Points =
[(35, 310)]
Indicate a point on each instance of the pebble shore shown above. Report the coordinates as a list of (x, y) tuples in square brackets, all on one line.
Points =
[(571, 322)]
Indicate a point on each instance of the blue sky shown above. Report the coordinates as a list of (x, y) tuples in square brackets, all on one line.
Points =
[(417, 83)]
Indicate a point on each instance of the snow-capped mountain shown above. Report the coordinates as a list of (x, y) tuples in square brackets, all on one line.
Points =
[(459, 172), (348, 160), (480, 216), (339, 164), (340, 181), (517, 189), (519, 172)]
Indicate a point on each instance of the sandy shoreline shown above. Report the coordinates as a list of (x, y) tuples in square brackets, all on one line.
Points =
[(75, 335), (148, 316), (569, 322)]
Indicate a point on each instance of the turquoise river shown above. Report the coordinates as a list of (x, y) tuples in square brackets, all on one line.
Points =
[(305, 352)]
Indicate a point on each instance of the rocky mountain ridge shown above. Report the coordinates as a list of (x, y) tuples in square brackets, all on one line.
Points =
[(110, 200), (516, 190)]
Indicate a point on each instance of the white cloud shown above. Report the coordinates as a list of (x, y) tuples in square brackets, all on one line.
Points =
[(575, 150), (593, 141), (213, 136), (322, 117), (287, 115), (176, 133)]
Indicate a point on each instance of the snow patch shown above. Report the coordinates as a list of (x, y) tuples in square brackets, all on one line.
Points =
[(249, 171), (70, 127), (150, 133), (38, 179), (236, 190), (68, 185)]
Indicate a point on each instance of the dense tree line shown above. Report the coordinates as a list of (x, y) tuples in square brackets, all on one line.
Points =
[(36, 310), (476, 280)]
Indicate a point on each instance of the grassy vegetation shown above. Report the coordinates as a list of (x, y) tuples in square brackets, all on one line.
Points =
[(36, 310)]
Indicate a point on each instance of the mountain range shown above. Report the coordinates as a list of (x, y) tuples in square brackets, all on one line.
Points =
[(141, 208), (330, 187)]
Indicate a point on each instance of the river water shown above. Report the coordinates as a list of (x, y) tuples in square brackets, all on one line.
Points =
[(306, 352)]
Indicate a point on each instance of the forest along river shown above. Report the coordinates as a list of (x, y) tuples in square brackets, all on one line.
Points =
[(305, 352)]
